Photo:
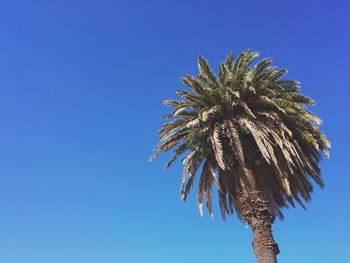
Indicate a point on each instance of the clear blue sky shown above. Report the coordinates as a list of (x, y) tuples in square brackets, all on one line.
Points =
[(81, 90)]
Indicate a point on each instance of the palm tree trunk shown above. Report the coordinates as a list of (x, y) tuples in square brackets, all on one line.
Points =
[(259, 214), (264, 245)]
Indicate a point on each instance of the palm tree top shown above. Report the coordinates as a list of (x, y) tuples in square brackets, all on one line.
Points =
[(245, 121)]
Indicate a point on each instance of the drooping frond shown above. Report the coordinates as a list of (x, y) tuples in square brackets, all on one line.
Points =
[(217, 148)]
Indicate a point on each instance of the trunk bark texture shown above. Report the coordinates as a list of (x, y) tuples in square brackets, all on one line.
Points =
[(264, 245), (259, 214)]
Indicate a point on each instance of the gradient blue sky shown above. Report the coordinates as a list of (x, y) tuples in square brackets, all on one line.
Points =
[(81, 90)]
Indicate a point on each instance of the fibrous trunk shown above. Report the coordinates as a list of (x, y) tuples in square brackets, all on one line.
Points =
[(264, 245), (259, 214)]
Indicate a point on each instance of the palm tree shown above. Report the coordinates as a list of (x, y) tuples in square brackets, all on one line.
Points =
[(251, 134)]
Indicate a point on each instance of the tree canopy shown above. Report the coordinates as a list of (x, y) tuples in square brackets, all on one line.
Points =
[(247, 120)]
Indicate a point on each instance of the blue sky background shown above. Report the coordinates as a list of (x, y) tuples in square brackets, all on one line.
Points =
[(81, 90)]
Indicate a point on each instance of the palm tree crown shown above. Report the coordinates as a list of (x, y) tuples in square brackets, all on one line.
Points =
[(246, 121)]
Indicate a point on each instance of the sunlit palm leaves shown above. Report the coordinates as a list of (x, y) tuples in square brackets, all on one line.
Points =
[(245, 121)]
